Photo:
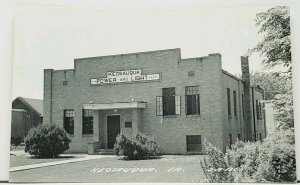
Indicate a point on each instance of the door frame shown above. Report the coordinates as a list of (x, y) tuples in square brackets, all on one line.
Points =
[(106, 138)]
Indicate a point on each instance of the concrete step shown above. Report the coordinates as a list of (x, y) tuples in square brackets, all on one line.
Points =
[(105, 152)]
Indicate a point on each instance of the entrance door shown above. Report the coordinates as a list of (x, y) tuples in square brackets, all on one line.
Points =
[(113, 129)]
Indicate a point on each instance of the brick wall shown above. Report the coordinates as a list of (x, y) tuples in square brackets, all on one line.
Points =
[(170, 131)]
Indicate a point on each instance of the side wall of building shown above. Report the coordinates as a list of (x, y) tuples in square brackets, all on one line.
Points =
[(19, 124), (259, 122), (233, 121), (34, 117)]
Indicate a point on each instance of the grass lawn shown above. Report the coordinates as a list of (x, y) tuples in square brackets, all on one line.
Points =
[(115, 169)]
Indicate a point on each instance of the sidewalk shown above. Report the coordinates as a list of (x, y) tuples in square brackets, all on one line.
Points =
[(40, 165)]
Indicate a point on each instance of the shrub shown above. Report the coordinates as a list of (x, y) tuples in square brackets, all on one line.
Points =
[(272, 160), (46, 141), (277, 158), (16, 141), (136, 145), (215, 166)]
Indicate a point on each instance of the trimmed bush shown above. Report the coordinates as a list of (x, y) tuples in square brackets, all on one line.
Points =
[(272, 160), (136, 146), (46, 141)]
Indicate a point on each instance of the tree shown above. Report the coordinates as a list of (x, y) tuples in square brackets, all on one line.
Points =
[(271, 83), (285, 112), (276, 45)]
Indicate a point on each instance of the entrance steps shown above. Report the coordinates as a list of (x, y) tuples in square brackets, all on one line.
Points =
[(105, 152)]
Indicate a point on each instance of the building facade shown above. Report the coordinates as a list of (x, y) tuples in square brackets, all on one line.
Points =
[(26, 113), (179, 101)]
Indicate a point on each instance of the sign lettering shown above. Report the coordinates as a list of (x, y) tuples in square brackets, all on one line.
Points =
[(124, 76)]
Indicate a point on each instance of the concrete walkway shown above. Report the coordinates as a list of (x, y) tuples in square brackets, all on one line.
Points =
[(40, 165)]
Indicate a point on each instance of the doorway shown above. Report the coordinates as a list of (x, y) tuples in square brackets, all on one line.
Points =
[(113, 129)]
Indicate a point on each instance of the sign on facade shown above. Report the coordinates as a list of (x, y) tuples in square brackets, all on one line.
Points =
[(124, 76)]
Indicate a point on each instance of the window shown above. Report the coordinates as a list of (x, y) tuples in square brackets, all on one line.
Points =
[(168, 101), (168, 104), (194, 143), (258, 110), (69, 121), (159, 107), (234, 104), (260, 137), (87, 121), (65, 83), (192, 100), (239, 137), (177, 105), (228, 102), (230, 140), (243, 108), (128, 124), (191, 73)]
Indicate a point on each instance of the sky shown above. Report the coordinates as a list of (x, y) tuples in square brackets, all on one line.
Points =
[(52, 37)]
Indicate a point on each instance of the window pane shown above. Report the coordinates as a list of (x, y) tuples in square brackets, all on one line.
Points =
[(168, 101), (194, 143), (230, 140), (243, 108), (177, 102), (69, 121), (159, 106), (128, 124), (192, 100), (87, 121), (234, 103), (228, 102)]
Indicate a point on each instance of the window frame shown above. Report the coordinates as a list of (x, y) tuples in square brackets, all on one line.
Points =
[(228, 102), (243, 105), (169, 101), (190, 145), (234, 103), (258, 110), (176, 102), (192, 92), (69, 119), (230, 140), (126, 124), (87, 119)]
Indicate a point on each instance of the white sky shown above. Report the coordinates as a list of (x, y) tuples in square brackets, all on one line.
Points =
[(51, 37)]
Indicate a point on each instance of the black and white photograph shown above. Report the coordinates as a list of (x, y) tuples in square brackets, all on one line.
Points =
[(187, 94)]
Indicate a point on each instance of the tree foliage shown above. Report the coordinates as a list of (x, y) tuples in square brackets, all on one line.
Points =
[(271, 83), (284, 110), (275, 46)]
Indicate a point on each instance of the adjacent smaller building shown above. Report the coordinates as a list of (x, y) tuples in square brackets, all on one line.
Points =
[(270, 114), (26, 113)]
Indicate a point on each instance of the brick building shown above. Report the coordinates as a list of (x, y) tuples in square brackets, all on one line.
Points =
[(26, 113), (179, 101)]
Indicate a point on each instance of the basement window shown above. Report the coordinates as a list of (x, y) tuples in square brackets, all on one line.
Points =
[(128, 124), (191, 73), (193, 143)]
